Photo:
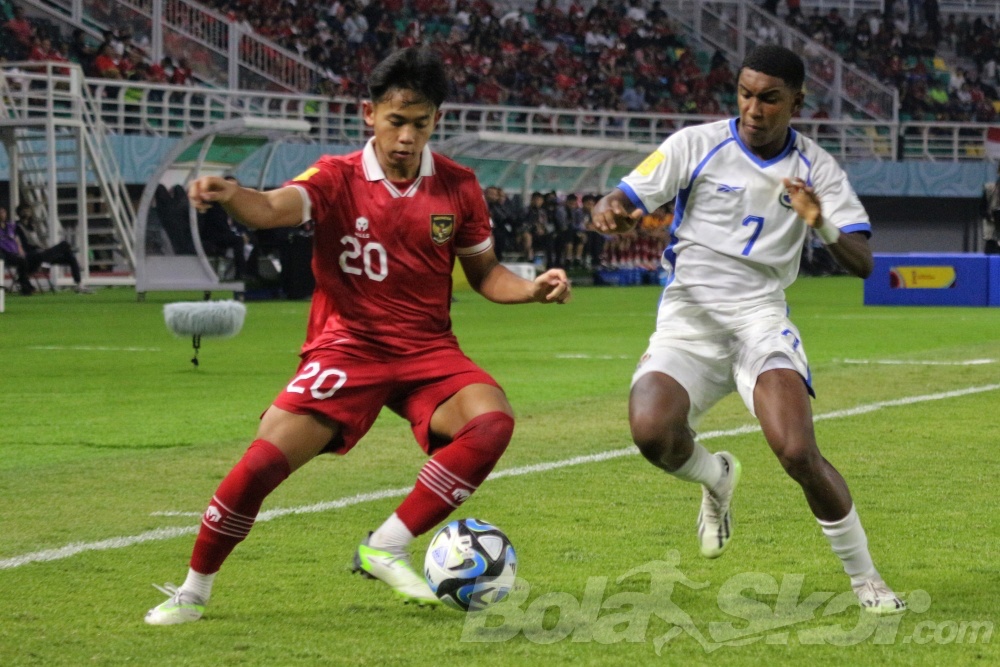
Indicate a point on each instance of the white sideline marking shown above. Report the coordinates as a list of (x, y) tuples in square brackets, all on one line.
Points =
[(175, 513), (903, 362), (170, 533), (594, 356), (93, 348)]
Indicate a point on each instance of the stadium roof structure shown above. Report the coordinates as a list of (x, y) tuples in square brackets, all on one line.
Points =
[(527, 163), (168, 249)]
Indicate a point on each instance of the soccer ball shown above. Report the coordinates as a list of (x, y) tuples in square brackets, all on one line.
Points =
[(470, 564)]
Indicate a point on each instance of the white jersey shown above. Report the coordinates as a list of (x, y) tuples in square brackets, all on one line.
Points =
[(735, 238)]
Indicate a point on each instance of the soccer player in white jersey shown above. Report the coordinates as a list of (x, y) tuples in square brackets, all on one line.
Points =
[(390, 222), (747, 190)]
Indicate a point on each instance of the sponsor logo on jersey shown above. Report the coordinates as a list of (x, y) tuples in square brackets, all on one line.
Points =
[(785, 199), (361, 227), (647, 166), (442, 227), (729, 188), (307, 174)]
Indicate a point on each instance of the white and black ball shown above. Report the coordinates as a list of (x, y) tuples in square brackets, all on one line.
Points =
[(470, 564)]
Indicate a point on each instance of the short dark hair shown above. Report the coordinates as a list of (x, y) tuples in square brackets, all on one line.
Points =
[(415, 68), (778, 61)]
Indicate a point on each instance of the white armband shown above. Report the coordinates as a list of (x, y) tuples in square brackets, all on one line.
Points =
[(828, 233)]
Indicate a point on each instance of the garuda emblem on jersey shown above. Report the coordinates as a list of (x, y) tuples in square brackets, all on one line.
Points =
[(442, 227)]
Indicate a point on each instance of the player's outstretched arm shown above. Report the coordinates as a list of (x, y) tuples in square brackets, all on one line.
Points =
[(850, 250), (499, 284), (615, 214), (259, 210)]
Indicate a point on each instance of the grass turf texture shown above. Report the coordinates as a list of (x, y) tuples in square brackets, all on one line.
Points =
[(107, 423)]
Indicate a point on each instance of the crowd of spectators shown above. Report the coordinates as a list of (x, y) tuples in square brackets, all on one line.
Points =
[(607, 55), (625, 55), (903, 46), (116, 56)]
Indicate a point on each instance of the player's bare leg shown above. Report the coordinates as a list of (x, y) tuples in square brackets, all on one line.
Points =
[(781, 402), (658, 416), (476, 423), (285, 442)]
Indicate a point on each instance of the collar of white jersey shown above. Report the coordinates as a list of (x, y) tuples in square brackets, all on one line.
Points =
[(374, 172), (782, 154)]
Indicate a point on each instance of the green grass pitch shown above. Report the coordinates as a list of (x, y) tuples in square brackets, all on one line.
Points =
[(111, 444)]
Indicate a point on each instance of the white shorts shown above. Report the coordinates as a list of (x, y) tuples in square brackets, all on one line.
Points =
[(712, 354)]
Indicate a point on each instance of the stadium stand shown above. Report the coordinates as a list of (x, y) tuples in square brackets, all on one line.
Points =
[(559, 96), (606, 56)]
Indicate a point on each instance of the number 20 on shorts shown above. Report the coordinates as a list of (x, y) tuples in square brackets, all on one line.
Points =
[(312, 370)]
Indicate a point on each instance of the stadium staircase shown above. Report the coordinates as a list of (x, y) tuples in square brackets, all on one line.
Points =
[(64, 168), (735, 26)]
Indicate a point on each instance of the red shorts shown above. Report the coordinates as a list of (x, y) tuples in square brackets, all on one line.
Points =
[(350, 387)]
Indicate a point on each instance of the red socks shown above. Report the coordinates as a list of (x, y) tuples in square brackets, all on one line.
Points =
[(456, 471), (451, 476), (234, 507)]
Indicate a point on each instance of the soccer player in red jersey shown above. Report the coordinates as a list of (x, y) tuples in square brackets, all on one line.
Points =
[(389, 222)]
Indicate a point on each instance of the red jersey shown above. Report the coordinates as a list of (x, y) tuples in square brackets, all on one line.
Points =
[(383, 255)]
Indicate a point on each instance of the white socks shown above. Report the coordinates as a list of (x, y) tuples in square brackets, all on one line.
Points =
[(849, 542), (199, 585), (392, 536), (703, 467)]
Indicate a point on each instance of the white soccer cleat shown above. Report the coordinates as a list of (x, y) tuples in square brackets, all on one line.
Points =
[(876, 597), (181, 607), (395, 571), (715, 522)]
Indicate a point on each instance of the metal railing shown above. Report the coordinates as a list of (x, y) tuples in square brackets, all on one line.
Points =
[(174, 111), (736, 26), (219, 51), (162, 110), (55, 99)]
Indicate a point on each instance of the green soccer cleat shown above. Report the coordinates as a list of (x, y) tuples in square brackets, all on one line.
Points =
[(876, 597), (715, 521), (181, 607), (395, 571)]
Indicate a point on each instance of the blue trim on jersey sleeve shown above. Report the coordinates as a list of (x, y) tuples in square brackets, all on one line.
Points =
[(859, 227), (633, 197)]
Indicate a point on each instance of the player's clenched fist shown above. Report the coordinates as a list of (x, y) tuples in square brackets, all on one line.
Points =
[(552, 287), (610, 215), (208, 190)]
